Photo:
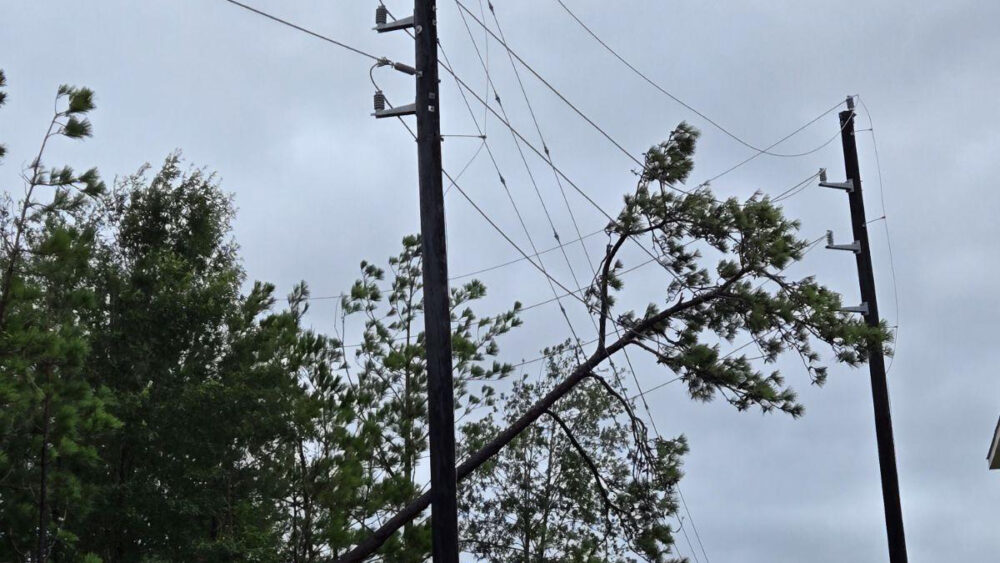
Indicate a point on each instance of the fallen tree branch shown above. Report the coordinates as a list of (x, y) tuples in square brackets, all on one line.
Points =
[(419, 504)]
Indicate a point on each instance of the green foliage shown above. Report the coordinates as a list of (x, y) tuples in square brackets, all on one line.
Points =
[(388, 375), (155, 406), (540, 499), (50, 414), (744, 293)]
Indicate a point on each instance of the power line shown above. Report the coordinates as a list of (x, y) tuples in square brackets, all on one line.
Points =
[(672, 96), (516, 260), (304, 30), (549, 85), (607, 136), (888, 237), (517, 211), (541, 137), (465, 87), (794, 190), (527, 167), (753, 157)]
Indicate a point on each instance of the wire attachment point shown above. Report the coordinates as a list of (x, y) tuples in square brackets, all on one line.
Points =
[(854, 247)]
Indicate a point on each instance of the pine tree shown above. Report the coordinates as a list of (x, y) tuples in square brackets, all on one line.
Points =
[(50, 414), (736, 289), (575, 486)]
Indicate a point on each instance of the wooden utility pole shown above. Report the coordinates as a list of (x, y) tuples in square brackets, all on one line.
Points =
[(437, 320), (434, 254), (876, 360)]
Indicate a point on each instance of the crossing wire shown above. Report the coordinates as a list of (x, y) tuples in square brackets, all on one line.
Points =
[(628, 359), (548, 158), (611, 139), (524, 160), (888, 236), (672, 96), (503, 182), (541, 138)]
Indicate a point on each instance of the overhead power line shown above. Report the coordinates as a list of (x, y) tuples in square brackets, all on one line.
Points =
[(304, 30), (663, 90), (611, 139), (888, 236)]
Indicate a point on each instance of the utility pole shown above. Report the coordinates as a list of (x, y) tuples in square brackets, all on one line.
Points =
[(869, 309), (437, 312), (437, 308)]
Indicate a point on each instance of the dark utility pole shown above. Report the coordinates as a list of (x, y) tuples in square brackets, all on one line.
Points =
[(437, 307), (437, 320), (876, 360)]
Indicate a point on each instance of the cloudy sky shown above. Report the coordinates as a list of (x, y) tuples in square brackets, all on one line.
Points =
[(284, 120)]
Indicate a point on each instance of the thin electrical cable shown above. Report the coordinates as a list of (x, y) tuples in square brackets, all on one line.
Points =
[(628, 359), (549, 85), (694, 552), (548, 158), (544, 206), (794, 190), (467, 165), (561, 173), (486, 41), (304, 30), (888, 237), (618, 145), (672, 96), (513, 203), (517, 260), (545, 148), (753, 157)]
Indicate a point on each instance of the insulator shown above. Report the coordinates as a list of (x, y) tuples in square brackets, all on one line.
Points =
[(822, 174), (829, 238), (379, 100), (381, 15)]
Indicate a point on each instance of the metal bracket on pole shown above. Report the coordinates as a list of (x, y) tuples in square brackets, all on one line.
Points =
[(847, 186), (409, 109), (862, 309), (382, 26), (854, 247)]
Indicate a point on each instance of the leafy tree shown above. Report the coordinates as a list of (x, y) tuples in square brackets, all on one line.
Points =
[(206, 379), (49, 412)]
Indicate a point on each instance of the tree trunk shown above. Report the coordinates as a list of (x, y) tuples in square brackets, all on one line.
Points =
[(41, 554)]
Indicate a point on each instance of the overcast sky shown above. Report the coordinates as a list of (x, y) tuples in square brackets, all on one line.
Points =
[(320, 185)]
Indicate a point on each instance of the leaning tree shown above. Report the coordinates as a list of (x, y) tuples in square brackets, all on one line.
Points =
[(725, 260)]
